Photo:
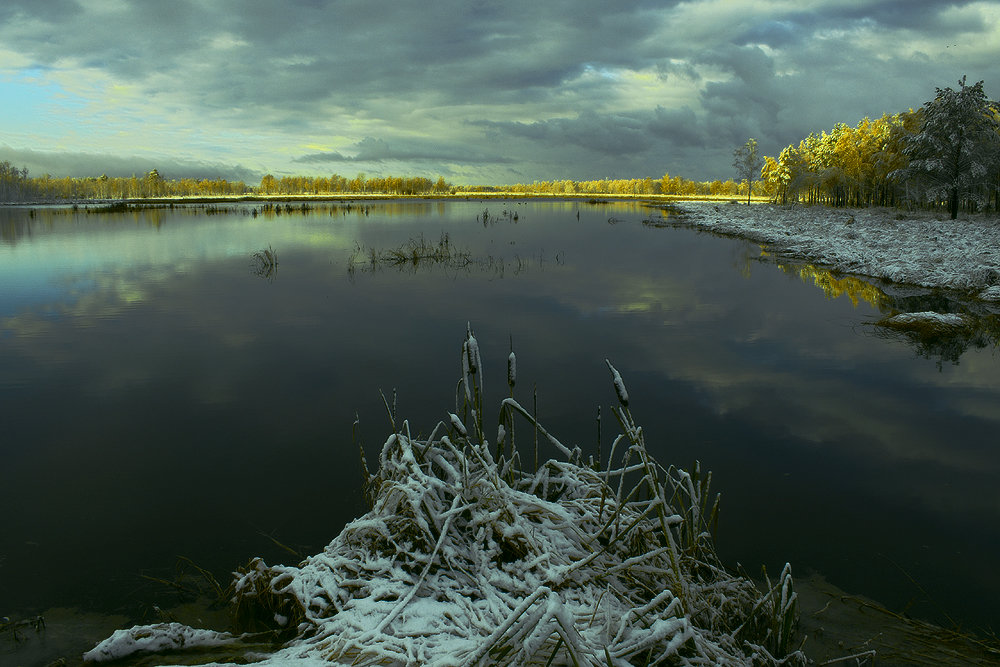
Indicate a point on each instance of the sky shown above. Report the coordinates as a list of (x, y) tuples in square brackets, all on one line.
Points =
[(476, 91)]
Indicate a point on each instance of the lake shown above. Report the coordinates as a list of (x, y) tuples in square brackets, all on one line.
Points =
[(165, 394)]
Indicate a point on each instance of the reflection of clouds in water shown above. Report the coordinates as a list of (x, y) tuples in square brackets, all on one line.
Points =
[(764, 368), (819, 381), (893, 419), (66, 250), (745, 354)]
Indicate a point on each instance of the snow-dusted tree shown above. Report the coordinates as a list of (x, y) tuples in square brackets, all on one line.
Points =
[(747, 163), (957, 147)]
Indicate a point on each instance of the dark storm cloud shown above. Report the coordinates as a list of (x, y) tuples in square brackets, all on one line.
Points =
[(749, 102), (683, 70), (371, 149), (557, 88), (614, 135), (300, 52), (61, 164), (793, 27), (922, 15), (611, 135), (42, 9)]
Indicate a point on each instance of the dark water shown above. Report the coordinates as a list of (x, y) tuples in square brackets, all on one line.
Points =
[(162, 396)]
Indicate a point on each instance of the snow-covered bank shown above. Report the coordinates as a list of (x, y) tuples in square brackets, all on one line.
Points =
[(466, 558), (915, 248)]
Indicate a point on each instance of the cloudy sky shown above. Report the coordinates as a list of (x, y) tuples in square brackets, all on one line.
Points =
[(477, 91)]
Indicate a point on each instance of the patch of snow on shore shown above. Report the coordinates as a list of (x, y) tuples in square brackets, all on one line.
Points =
[(990, 293), (884, 243), (943, 319), (154, 638)]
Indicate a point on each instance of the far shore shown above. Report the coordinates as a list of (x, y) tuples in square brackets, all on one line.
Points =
[(920, 248), (358, 196)]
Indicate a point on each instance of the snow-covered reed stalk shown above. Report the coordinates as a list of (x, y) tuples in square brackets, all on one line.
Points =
[(472, 382), (467, 559)]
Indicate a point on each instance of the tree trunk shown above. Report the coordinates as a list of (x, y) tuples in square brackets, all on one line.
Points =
[(953, 203)]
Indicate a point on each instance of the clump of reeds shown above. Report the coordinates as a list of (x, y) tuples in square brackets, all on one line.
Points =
[(113, 207), (411, 255), (467, 558), (17, 627), (264, 263)]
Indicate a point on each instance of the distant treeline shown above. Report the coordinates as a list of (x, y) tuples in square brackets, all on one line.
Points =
[(17, 185), (945, 154), (668, 185), (337, 184)]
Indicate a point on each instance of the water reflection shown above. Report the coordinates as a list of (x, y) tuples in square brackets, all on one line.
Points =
[(943, 343), (160, 403)]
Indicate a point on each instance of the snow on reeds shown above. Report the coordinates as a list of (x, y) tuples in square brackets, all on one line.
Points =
[(466, 558)]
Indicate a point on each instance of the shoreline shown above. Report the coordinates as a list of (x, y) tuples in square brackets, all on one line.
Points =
[(355, 196), (920, 249), (833, 625), (909, 249)]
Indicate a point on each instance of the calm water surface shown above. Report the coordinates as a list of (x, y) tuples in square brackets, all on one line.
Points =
[(162, 397)]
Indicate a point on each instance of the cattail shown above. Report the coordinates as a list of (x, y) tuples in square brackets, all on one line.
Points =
[(511, 370), (619, 384), (472, 350), (457, 424)]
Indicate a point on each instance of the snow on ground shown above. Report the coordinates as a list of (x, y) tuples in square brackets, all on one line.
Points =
[(929, 317), (990, 293), (917, 248), (154, 639)]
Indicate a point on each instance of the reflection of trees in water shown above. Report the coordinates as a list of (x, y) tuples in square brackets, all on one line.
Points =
[(836, 285), (383, 208), (17, 222), (941, 340), (20, 222)]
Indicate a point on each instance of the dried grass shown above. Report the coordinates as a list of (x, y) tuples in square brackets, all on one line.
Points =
[(465, 558)]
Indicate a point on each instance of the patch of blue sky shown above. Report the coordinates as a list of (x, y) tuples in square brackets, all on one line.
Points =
[(603, 72), (31, 100)]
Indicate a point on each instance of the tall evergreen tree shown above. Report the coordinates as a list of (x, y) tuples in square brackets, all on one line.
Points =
[(957, 147)]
